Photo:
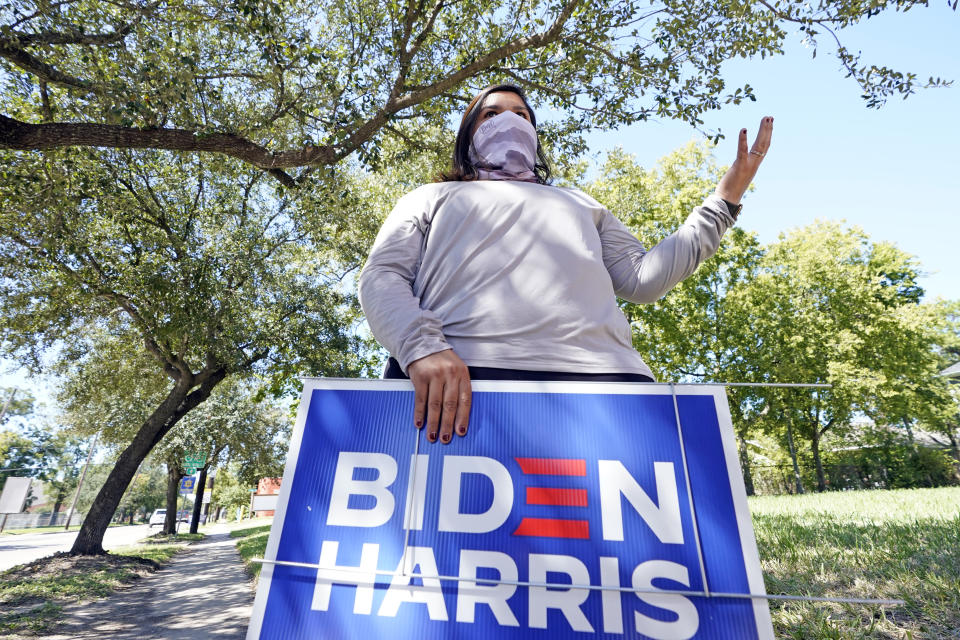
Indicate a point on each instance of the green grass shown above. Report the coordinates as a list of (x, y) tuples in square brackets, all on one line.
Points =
[(159, 553), (32, 595), (252, 543), (902, 544), (161, 538), (53, 529), (33, 621)]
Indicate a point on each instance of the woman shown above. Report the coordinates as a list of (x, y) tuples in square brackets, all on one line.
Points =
[(492, 273)]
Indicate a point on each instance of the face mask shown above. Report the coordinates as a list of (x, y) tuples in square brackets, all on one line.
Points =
[(504, 147)]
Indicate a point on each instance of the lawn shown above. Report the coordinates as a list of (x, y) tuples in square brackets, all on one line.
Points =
[(252, 543), (902, 544)]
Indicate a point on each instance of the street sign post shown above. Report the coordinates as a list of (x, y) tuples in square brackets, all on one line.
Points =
[(193, 462), (569, 510)]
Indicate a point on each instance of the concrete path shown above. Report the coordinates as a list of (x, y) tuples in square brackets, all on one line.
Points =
[(203, 592)]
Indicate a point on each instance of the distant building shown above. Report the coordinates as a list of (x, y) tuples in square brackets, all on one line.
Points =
[(37, 500), (264, 500), (953, 372)]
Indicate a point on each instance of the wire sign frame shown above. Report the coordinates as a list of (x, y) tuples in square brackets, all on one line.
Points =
[(569, 510)]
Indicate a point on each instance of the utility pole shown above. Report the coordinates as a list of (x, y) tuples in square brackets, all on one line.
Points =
[(6, 404), (83, 474)]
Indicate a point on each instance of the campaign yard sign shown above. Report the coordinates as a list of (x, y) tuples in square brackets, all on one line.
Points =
[(570, 510)]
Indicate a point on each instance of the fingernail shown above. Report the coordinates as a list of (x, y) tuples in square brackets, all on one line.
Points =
[(743, 130), (461, 429), (432, 437), (445, 437), (419, 423)]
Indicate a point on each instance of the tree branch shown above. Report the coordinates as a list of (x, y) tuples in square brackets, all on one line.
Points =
[(78, 37), (42, 70), (23, 136), (368, 128), (19, 135)]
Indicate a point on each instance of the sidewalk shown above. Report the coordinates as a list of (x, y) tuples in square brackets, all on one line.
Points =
[(203, 593)]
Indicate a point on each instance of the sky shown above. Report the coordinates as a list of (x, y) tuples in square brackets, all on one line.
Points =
[(894, 172)]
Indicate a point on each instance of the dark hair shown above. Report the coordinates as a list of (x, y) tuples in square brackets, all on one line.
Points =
[(461, 167)]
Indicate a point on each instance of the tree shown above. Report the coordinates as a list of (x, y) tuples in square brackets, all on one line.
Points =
[(230, 491), (309, 82), (15, 403), (212, 280), (18, 455), (66, 453), (691, 334), (233, 424), (947, 349), (823, 305), (828, 306), (44, 452)]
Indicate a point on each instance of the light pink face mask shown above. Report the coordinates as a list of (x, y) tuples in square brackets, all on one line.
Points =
[(505, 148)]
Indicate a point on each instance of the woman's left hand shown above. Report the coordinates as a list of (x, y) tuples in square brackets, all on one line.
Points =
[(738, 177)]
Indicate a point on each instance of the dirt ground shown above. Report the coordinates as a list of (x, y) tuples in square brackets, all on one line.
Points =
[(203, 592)]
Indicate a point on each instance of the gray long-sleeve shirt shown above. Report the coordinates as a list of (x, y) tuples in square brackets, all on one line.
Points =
[(518, 275)]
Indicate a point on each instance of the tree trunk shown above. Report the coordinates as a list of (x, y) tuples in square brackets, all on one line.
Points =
[(198, 500), (815, 448), (178, 402), (745, 465), (57, 503), (793, 457), (955, 446), (173, 484), (909, 426)]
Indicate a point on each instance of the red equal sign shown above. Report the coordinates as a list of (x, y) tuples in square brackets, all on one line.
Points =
[(553, 527)]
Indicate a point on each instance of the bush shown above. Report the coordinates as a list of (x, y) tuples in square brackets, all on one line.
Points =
[(893, 465), (884, 459)]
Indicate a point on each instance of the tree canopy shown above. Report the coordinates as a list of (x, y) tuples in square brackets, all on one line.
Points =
[(285, 84), (823, 305)]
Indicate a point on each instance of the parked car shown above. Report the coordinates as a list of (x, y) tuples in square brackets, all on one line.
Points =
[(159, 515)]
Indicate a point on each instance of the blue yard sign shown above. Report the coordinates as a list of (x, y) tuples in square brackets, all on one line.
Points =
[(187, 484), (570, 510)]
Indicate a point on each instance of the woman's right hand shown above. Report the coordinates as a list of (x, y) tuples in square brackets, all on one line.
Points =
[(441, 385)]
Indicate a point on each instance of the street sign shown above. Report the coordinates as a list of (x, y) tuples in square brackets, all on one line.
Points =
[(264, 503), (193, 462), (569, 509), (187, 484)]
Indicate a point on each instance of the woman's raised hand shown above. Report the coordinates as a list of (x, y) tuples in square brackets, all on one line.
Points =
[(738, 177), (441, 385)]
